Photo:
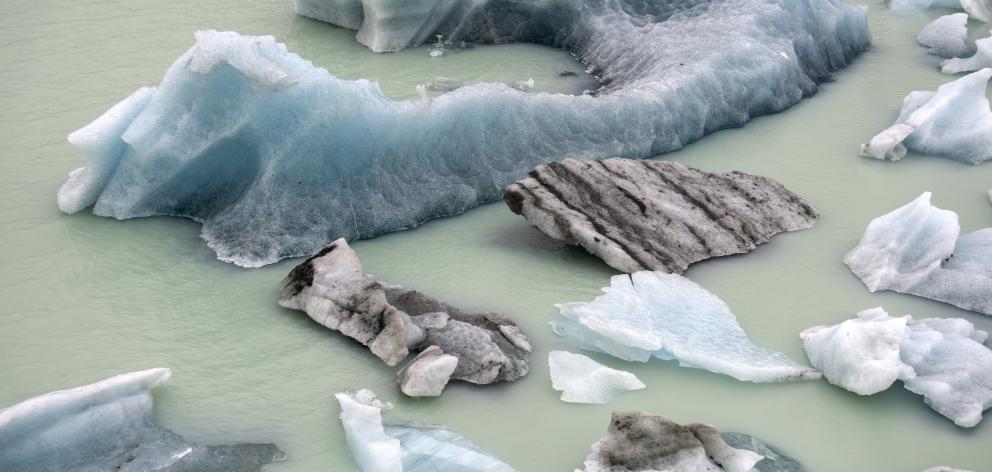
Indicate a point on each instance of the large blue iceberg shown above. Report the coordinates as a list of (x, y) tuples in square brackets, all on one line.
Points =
[(276, 157), (107, 427)]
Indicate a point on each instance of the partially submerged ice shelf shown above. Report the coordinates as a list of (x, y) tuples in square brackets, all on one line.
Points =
[(943, 359), (946, 35), (954, 122), (276, 157), (393, 322), (918, 249), (655, 215), (637, 441), (653, 314), (583, 380), (108, 427), (406, 448)]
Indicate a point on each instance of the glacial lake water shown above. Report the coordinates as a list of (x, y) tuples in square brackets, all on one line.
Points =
[(83, 298)]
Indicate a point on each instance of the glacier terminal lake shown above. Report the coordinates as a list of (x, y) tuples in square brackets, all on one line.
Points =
[(83, 298)]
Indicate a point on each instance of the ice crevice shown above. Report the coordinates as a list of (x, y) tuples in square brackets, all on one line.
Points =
[(276, 157)]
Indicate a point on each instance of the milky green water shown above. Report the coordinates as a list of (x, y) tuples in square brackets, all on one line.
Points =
[(83, 298)]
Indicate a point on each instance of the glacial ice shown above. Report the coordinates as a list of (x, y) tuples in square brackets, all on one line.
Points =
[(637, 442), (946, 35), (945, 469), (954, 122), (667, 316), (774, 460), (406, 448), (481, 348), (275, 157), (982, 59), (108, 427), (980, 9), (943, 359), (655, 215), (583, 380), (916, 249)]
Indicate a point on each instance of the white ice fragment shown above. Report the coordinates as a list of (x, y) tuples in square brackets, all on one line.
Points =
[(916, 249), (954, 122), (405, 448), (943, 359), (667, 316), (946, 35), (980, 60), (583, 380), (979, 9), (427, 374)]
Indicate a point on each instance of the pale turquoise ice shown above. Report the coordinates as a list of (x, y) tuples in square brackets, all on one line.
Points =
[(653, 314), (277, 157), (583, 380)]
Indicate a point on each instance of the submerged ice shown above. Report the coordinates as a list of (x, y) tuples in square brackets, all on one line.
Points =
[(918, 249), (406, 448), (943, 359), (276, 157), (653, 314), (583, 380), (954, 122), (108, 427)]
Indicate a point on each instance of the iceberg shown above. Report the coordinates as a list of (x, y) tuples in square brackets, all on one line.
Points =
[(981, 60), (638, 441), (108, 427), (583, 380), (393, 321), (405, 448), (654, 314), (916, 249), (946, 35), (979, 9), (943, 359), (275, 157), (954, 122), (655, 215)]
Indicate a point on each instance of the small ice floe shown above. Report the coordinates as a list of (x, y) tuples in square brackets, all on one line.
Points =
[(954, 123), (978, 9), (946, 35), (654, 314), (917, 249), (943, 359), (405, 448), (583, 380), (108, 426)]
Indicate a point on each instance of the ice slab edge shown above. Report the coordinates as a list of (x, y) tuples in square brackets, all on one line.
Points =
[(276, 157), (108, 426)]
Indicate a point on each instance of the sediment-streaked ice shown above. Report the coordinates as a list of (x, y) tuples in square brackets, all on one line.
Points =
[(943, 359), (583, 380), (276, 157), (946, 35), (954, 122), (406, 448), (916, 249), (108, 427), (654, 314)]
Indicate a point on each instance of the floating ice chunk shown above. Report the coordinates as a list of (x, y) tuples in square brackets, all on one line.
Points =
[(774, 460), (945, 469), (945, 360), (981, 60), (667, 316), (107, 427), (276, 157), (332, 288), (954, 122), (344, 13), (980, 9), (583, 380), (402, 448), (916, 249), (638, 441), (946, 35)]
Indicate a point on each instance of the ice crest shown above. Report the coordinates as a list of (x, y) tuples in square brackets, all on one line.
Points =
[(653, 314)]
